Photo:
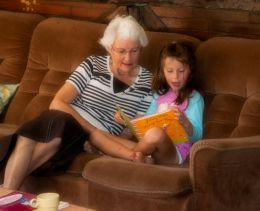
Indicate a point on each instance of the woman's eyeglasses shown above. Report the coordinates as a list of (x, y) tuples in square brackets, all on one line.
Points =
[(123, 52)]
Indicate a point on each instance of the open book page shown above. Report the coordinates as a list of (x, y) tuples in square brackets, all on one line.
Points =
[(165, 120), (127, 123)]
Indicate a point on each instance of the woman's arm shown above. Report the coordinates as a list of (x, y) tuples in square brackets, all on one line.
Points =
[(62, 100)]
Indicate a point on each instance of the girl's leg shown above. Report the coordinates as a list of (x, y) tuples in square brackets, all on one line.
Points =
[(158, 144), (27, 156), (115, 146), (137, 156)]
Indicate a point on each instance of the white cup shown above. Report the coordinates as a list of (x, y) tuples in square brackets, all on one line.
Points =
[(46, 202)]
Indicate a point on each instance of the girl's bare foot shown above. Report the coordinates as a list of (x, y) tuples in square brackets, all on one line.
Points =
[(138, 157), (148, 159)]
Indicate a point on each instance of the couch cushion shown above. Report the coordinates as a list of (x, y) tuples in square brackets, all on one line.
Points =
[(228, 71), (144, 179), (58, 46), (6, 93), (16, 32), (150, 54), (225, 173), (5, 130), (80, 161)]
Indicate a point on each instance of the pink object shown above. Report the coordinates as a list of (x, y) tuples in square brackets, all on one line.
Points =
[(169, 99), (16, 201), (10, 199), (163, 103), (184, 149)]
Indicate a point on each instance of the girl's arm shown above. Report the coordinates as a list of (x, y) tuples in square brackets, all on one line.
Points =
[(181, 117), (194, 113), (62, 100)]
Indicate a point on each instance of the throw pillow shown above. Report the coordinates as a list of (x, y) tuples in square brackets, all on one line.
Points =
[(6, 92)]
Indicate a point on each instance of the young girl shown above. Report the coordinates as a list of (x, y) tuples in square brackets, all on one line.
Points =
[(174, 88)]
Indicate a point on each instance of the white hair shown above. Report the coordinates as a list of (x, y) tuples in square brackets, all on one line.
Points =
[(123, 27)]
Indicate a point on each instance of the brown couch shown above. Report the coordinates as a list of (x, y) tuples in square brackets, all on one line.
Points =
[(223, 172), (224, 169), (40, 53)]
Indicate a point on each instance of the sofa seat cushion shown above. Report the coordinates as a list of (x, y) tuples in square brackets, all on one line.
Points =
[(142, 179), (80, 161)]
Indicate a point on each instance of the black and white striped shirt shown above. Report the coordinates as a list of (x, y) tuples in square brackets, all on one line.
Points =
[(97, 99)]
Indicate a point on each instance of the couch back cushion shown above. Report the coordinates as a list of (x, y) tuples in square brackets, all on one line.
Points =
[(229, 73), (58, 46), (150, 54), (16, 32)]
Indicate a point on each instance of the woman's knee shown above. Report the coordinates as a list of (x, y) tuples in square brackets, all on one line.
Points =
[(55, 142), (24, 141), (23, 144)]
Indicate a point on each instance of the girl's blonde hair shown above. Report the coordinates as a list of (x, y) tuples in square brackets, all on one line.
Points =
[(123, 27)]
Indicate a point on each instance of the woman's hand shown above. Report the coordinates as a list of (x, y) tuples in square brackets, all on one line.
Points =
[(118, 118), (181, 117)]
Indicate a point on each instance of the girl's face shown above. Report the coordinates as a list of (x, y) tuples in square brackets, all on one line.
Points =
[(176, 73), (125, 55)]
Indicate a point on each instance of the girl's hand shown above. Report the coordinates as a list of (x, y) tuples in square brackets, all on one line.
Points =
[(118, 118), (181, 117)]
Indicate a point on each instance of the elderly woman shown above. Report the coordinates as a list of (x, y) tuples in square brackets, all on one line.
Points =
[(84, 108)]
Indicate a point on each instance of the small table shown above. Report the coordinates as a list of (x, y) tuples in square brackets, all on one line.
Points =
[(72, 207)]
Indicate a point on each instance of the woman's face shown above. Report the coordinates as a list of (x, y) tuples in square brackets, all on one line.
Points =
[(176, 73), (125, 55)]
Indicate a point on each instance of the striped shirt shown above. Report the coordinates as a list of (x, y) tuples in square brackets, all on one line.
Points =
[(97, 100)]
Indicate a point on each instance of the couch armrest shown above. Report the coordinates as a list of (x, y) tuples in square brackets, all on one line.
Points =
[(5, 140), (7, 129), (225, 173), (145, 179)]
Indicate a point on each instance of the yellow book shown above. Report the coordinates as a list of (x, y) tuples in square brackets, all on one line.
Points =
[(165, 120), (128, 123)]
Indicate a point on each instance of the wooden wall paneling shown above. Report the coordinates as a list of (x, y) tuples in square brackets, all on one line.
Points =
[(202, 19), (254, 18), (82, 9)]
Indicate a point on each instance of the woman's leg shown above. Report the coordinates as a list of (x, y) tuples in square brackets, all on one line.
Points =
[(90, 148), (27, 156), (158, 144), (43, 152), (115, 146), (124, 141)]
